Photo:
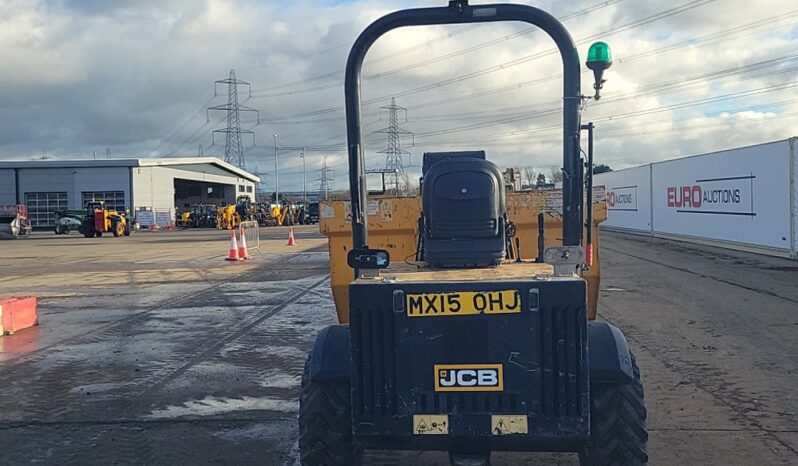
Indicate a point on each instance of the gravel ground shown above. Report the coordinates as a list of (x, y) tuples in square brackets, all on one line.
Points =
[(199, 362)]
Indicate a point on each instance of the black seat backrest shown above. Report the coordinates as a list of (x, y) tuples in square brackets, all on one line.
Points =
[(464, 210)]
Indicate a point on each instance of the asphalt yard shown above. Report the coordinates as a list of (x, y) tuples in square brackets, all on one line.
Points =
[(153, 349)]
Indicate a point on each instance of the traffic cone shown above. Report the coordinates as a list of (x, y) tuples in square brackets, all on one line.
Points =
[(291, 240), (242, 247), (233, 256)]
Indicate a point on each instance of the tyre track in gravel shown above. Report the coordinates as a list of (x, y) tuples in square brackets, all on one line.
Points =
[(45, 387), (134, 317), (703, 275), (136, 446), (709, 380), (232, 337)]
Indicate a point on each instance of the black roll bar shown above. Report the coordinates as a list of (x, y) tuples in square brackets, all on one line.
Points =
[(459, 12)]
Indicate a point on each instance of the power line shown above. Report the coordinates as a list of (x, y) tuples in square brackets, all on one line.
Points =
[(233, 147), (463, 77), (326, 179), (184, 124), (393, 152), (428, 61), (511, 63)]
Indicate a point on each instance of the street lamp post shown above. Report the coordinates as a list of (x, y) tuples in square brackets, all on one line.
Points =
[(276, 173), (304, 179)]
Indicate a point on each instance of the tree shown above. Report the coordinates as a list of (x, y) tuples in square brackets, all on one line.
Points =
[(555, 175), (527, 177), (601, 168), (541, 180)]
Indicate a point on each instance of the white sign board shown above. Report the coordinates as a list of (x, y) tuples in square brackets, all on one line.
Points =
[(628, 198), (145, 218), (740, 195), (164, 217)]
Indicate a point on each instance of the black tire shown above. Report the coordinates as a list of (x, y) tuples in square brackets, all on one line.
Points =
[(325, 423), (57, 229), (98, 234), (618, 424)]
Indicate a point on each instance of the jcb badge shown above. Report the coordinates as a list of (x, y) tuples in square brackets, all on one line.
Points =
[(469, 378)]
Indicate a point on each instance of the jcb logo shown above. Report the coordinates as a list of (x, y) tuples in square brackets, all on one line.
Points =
[(469, 378)]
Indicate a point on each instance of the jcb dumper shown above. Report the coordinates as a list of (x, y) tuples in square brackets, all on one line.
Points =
[(450, 343), (14, 221)]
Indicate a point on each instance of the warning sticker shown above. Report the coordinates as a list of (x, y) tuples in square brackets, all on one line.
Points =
[(373, 208), (508, 424), (430, 424), (326, 211)]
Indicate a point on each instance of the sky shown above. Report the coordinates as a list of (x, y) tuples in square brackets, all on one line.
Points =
[(133, 78)]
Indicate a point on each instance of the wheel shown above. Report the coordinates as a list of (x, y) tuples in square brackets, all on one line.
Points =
[(618, 424), (325, 423), (57, 229), (118, 229), (98, 234), (127, 229)]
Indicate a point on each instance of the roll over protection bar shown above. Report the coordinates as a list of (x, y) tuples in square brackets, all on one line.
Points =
[(460, 12)]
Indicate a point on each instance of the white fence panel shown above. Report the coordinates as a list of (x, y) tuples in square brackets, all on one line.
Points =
[(740, 195), (794, 177), (628, 198)]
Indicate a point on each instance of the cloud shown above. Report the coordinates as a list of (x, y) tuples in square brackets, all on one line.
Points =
[(137, 75)]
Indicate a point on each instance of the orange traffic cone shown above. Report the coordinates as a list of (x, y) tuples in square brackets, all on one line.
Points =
[(291, 240), (242, 247), (233, 256)]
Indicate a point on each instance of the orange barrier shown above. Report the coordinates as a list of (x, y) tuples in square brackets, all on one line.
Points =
[(291, 240), (17, 314)]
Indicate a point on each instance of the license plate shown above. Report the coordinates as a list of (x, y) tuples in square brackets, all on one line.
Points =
[(463, 303)]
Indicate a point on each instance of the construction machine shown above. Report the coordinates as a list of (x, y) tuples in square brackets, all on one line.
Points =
[(245, 208), (203, 216), (313, 212), (184, 220), (467, 315), (99, 220), (14, 221), (68, 220), (226, 217)]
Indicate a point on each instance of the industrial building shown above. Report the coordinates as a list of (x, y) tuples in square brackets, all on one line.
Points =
[(147, 187)]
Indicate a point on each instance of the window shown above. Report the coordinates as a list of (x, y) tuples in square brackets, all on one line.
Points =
[(42, 207), (114, 200), (241, 188), (249, 189)]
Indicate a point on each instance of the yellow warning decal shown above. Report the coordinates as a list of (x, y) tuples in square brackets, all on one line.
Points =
[(509, 424), (463, 303), (430, 424)]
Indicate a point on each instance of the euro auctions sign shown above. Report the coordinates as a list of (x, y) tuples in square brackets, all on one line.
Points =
[(622, 198), (732, 195), (739, 195)]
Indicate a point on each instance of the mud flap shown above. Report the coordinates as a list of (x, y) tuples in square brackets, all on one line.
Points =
[(608, 354), (330, 359)]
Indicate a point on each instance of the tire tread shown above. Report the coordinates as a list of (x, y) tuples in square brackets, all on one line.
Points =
[(618, 425), (325, 426)]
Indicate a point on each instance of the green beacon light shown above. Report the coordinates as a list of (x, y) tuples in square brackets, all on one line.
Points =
[(599, 58)]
